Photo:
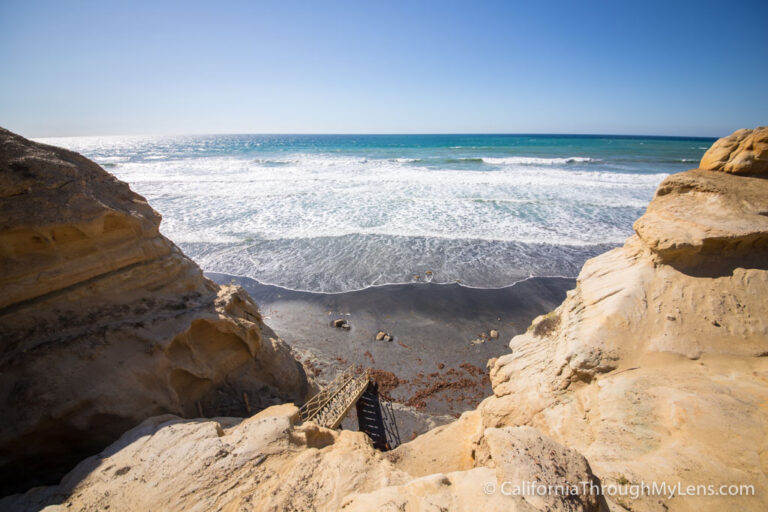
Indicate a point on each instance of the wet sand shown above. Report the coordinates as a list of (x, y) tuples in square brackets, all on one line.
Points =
[(432, 365)]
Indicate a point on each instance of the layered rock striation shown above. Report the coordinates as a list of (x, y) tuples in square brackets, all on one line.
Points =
[(104, 322)]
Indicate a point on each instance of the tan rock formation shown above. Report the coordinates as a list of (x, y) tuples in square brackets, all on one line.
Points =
[(105, 322), (445, 448), (267, 463), (707, 222), (742, 152), (655, 366)]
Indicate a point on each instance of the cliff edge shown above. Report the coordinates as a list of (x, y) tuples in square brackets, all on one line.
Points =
[(104, 322)]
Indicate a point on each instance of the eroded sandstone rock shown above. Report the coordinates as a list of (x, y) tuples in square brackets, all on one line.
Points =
[(260, 463), (266, 462), (743, 152), (105, 322), (708, 222)]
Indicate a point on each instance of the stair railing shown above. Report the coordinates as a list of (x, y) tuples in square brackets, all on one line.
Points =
[(317, 402), (390, 424), (325, 407)]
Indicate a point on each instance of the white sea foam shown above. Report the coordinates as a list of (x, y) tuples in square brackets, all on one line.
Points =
[(529, 160), (232, 199), (112, 159)]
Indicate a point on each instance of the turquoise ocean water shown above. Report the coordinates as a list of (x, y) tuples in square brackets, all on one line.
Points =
[(341, 212)]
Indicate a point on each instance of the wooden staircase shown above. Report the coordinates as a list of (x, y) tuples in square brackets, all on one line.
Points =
[(375, 416)]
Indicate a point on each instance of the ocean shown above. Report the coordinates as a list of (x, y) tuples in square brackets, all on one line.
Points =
[(333, 213)]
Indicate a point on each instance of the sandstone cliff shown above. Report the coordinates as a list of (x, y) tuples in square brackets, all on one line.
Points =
[(104, 322), (654, 368)]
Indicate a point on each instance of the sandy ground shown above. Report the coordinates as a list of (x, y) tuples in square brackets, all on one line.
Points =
[(432, 364)]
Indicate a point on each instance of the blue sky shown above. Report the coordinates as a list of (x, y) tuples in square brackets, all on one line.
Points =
[(103, 67)]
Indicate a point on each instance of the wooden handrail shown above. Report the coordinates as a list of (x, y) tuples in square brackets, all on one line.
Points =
[(331, 404)]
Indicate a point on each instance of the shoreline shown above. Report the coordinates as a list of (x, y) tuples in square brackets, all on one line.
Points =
[(354, 262), (215, 276)]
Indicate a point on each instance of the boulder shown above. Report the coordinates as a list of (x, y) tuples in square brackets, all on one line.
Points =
[(341, 323), (744, 152)]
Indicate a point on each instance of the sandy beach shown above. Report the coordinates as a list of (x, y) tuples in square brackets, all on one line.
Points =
[(436, 362)]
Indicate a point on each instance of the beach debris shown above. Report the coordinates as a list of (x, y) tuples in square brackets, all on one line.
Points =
[(454, 385), (428, 273), (384, 336), (440, 366), (471, 369), (416, 277), (341, 323), (312, 367), (387, 382), (483, 336)]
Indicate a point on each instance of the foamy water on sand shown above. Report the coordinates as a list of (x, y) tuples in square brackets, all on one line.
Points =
[(336, 213)]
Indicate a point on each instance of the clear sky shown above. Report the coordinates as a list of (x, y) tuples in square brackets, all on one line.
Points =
[(152, 67)]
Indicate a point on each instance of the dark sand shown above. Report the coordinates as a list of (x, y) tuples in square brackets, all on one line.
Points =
[(432, 325)]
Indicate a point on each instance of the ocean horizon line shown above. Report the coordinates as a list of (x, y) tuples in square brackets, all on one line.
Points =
[(395, 134)]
